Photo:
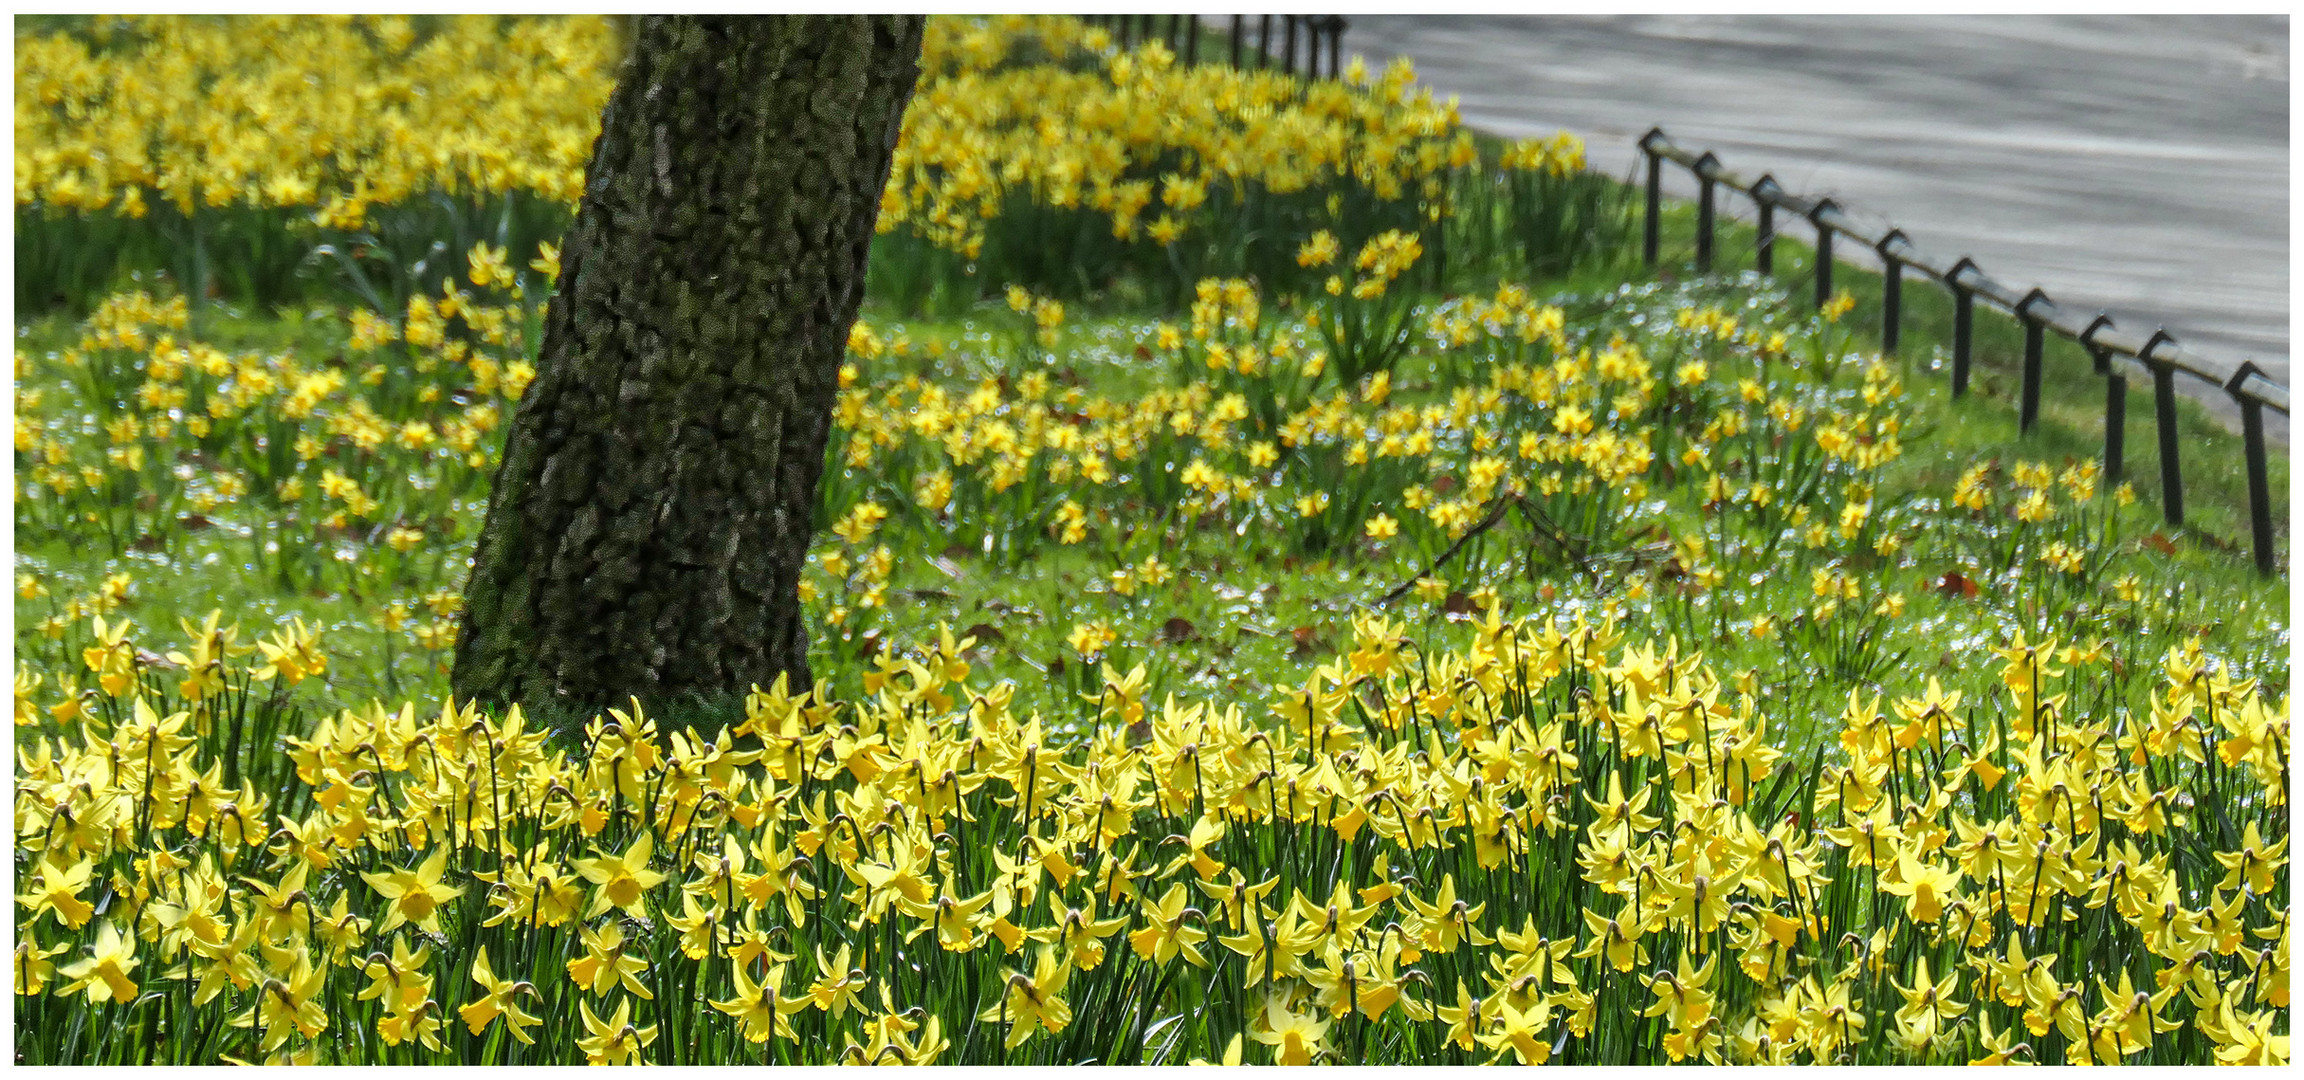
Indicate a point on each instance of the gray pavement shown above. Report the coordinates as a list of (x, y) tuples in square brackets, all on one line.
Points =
[(2136, 164)]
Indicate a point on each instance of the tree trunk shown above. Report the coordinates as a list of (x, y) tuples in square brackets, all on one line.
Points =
[(647, 527)]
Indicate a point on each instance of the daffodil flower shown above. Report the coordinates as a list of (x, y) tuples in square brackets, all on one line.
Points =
[(614, 1041), (624, 880), (414, 896), (498, 997)]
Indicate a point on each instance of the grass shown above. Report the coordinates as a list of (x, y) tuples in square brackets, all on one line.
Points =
[(1248, 617), (2071, 421)]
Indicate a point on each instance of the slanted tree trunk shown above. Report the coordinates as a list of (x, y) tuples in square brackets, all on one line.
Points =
[(648, 524)]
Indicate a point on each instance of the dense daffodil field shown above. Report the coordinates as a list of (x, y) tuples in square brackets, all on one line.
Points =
[(1378, 869), (1354, 669)]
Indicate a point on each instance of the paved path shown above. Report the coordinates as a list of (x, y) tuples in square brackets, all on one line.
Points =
[(2130, 163)]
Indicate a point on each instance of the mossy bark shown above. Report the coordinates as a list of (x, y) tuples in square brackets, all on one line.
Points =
[(648, 524)]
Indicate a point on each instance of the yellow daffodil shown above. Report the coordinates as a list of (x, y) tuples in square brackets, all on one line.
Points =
[(614, 1041), (498, 997), (414, 896), (1034, 1002), (623, 880)]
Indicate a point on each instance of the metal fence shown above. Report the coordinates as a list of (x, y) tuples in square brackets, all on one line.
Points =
[(2116, 353), (1318, 37)]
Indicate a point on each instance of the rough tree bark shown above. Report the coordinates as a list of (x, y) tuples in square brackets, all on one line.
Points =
[(649, 521)]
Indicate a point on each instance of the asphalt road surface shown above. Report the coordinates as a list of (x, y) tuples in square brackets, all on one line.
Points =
[(2135, 164)]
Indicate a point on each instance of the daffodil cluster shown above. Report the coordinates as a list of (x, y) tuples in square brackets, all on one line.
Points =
[(328, 116), (1668, 448), (308, 459), (1034, 150), (1141, 138), (1557, 842)]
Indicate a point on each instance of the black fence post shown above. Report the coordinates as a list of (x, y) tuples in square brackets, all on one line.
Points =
[(2259, 483), (1764, 242), (1654, 229), (1288, 63), (2115, 401), (2115, 426), (1823, 250), (2035, 310), (1706, 168), (1963, 324), (2028, 404), (1891, 292), (1263, 42), (2164, 414), (1191, 39), (1312, 27), (1239, 30), (1337, 24)]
